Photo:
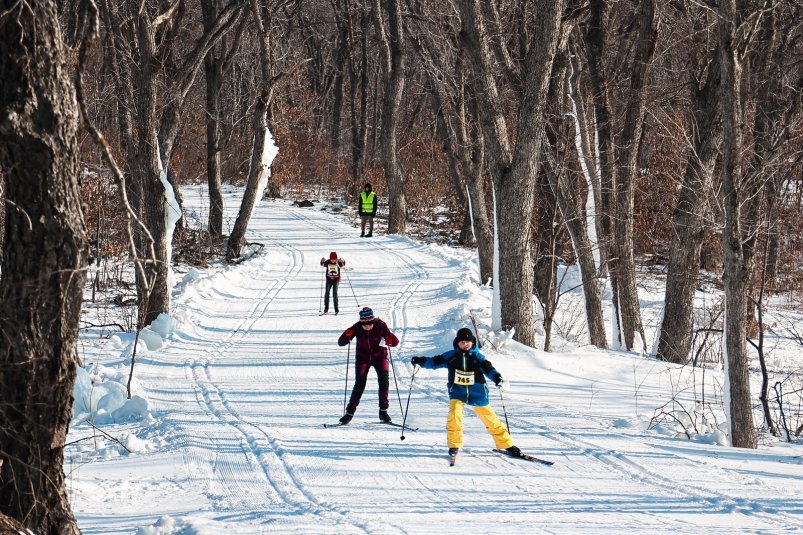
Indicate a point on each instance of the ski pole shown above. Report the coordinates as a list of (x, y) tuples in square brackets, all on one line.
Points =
[(398, 395), (504, 411), (476, 331), (323, 279), (346, 388), (407, 409), (352, 289)]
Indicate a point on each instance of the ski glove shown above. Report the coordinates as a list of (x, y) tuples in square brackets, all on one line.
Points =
[(418, 361), (497, 379)]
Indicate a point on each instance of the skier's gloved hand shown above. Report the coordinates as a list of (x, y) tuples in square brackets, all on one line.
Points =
[(497, 379), (418, 361)]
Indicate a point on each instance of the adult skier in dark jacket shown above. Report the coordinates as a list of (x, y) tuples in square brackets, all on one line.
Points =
[(369, 353), (468, 369)]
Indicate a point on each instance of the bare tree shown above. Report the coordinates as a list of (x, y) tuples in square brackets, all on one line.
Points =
[(217, 63), (690, 216), (393, 54), (514, 166), (43, 274), (443, 59), (570, 189), (257, 172), (751, 35), (152, 83), (738, 253), (619, 141)]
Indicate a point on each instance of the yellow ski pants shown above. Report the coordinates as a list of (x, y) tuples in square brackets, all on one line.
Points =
[(454, 425)]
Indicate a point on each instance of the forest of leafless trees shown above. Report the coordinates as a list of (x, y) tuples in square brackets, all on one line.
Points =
[(608, 134)]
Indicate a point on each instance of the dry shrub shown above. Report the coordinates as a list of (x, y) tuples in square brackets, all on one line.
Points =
[(195, 247), (657, 190), (101, 205)]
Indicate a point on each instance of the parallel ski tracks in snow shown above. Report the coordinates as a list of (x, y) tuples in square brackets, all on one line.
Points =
[(262, 452), (578, 449)]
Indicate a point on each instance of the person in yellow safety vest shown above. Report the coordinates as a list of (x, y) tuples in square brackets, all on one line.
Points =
[(367, 210)]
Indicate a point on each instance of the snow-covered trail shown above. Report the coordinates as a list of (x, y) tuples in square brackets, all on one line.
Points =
[(240, 400)]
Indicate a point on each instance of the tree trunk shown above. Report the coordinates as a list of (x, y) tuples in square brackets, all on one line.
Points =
[(44, 257), (358, 78), (618, 148), (254, 187), (569, 189), (341, 60), (546, 255), (393, 87), (473, 162), (514, 170), (603, 127), (737, 265), (627, 143), (213, 68), (688, 221)]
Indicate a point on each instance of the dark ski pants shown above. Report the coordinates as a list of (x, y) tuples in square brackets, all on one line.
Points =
[(367, 219), (330, 285), (382, 368)]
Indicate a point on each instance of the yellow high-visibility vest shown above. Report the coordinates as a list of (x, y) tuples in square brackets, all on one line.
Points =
[(367, 202)]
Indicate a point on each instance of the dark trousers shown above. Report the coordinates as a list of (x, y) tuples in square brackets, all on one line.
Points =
[(330, 285), (367, 219), (382, 373)]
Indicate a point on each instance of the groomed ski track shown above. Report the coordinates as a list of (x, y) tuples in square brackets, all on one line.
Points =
[(240, 394)]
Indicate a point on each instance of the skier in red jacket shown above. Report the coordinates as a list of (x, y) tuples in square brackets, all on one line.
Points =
[(369, 332), (332, 267)]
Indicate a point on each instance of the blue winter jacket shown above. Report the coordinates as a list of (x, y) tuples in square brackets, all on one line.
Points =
[(472, 362)]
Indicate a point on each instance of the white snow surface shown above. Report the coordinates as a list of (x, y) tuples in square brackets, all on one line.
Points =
[(224, 431)]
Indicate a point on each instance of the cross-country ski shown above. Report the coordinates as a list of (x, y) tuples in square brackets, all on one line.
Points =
[(525, 457)]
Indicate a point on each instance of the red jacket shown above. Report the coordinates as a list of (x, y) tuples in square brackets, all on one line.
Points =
[(368, 341)]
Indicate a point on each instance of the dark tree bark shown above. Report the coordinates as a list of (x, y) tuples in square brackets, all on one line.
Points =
[(514, 168), (595, 37), (570, 190), (213, 68), (217, 63), (340, 66), (44, 256), (627, 147), (153, 83), (689, 219), (618, 148), (391, 38), (737, 252), (472, 158), (256, 182), (358, 87)]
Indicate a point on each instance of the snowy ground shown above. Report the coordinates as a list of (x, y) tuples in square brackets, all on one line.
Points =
[(225, 431)]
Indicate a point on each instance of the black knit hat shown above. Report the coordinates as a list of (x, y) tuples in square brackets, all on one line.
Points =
[(465, 334)]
